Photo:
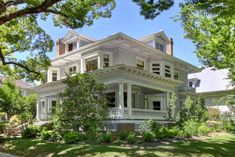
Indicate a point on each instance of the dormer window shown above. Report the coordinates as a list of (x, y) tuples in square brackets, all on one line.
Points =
[(160, 46), (72, 46)]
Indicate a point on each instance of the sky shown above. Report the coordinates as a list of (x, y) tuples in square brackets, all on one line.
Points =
[(127, 19)]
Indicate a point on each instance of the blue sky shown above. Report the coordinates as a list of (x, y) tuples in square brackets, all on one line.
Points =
[(126, 19)]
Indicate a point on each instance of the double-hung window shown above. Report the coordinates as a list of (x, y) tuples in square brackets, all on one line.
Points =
[(106, 60), (140, 63), (54, 75), (72, 70), (157, 105), (160, 46)]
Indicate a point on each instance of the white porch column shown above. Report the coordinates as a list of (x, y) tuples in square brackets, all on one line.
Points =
[(82, 65), (167, 100), (121, 99), (129, 100), (37, 110)]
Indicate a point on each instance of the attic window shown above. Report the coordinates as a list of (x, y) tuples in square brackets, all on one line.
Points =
[(160, 47), (72, 46)]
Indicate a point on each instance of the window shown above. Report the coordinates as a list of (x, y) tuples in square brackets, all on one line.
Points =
[(72, 46), (72, 70), (176, 76), (157, 105), (140, 63), (91, 64), (125, 99), (190, 84), (156, 68), (53, 106), (160, 47), (167, 71), (54, 75), (111, 99), (106, 60)]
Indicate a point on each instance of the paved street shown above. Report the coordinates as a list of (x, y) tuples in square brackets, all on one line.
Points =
[(6, 155)]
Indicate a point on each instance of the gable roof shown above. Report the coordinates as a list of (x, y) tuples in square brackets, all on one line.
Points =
[(160, 33), (72, 33), (19, 83)]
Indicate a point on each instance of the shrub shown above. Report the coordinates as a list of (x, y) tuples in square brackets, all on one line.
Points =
[(203, 129), (213, 114), (106, 137), (228, 125), (48, 135), (148, 137), (149, 125), (15, 120), (190, 127), (131, 139), (30, 132), (2, 126), (172, 132), (73, 137), (123, 135)]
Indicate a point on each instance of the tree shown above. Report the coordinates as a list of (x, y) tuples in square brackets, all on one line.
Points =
[(20, 32), (83, 104), (13, 102), (210, 26), (172, 106)]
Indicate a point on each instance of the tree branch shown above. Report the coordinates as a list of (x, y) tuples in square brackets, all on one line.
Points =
[(26, 11), (2, 58)]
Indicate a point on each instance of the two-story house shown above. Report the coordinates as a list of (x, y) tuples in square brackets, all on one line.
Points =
[(140, 74)]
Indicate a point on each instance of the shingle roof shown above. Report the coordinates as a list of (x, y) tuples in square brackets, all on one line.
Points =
[(18, 83), (212, 80)]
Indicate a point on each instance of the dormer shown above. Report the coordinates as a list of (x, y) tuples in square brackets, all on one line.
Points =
[(159, 41), (71, 42)]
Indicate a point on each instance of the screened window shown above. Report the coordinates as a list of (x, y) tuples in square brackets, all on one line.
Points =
[(156, 68), (54, 75), (167, 71), (140, 64), (72, 70), (91, 64), (111, 99), (106, 60), (157, 105)]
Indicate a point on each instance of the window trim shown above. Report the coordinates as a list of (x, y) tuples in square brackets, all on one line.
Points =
[(142, 59), (110, 59), (73, 65), (171, 69), (160, 67), (157, 100)]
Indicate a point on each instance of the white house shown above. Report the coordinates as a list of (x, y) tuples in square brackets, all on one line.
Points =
[(140, 74), (213, 85)]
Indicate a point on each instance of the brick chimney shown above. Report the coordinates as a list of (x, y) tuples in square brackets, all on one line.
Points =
[(60, 47), (169, 50)]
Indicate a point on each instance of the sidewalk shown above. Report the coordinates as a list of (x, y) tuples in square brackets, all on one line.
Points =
[(6, 155)]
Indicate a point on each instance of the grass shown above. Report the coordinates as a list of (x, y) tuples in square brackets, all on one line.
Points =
[(219, 146)]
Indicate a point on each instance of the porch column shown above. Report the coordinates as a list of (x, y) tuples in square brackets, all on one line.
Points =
[(121, 99), (37, 110), (167, 100), (129, 100)]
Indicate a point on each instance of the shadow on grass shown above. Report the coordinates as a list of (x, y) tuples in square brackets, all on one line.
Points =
[(223, 146)]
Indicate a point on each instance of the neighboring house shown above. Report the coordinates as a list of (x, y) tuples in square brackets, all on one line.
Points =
[(25, 87), (140, 75), (213, 85)]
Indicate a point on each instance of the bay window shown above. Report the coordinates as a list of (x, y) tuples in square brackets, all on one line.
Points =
[(106, 60), (140, 63), (54, 75), (91, 64)]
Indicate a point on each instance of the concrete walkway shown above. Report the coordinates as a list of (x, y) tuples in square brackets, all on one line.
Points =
[(6, 155)]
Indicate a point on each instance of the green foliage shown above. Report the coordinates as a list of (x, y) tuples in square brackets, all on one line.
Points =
[(83, 104), (210, 26), (190, 128), (148, 136), (106, 137), (149, 125), (193, 110), (171, 107), (131, 139), (49, 135), (2, 126), (73, 137), (229, 125), (30, 132), (123, 135), (203, 129), (13, 103)]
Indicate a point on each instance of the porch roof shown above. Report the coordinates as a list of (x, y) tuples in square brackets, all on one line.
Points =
[(120, 68)]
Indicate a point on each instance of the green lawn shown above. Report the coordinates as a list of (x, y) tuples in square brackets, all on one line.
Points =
[(219, 146)]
